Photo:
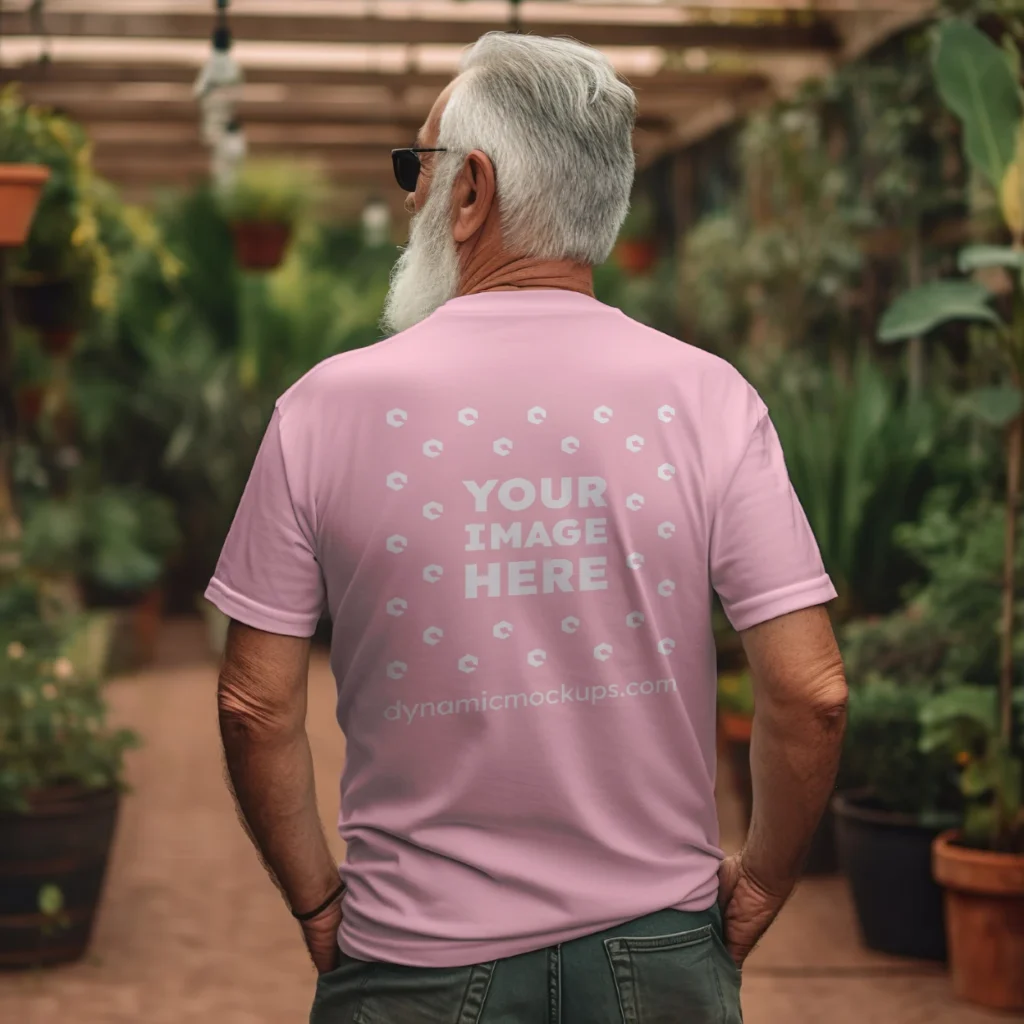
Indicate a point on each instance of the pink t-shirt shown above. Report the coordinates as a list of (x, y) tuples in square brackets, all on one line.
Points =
[(514, 514)]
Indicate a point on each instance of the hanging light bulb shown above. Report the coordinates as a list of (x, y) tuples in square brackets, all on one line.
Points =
[(219, 85), (376, 223)]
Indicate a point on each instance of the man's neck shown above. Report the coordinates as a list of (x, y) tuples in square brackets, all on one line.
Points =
[(518, 274)]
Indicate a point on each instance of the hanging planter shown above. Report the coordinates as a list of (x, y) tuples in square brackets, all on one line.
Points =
[(260, 245), (263, 204), (20, 187)]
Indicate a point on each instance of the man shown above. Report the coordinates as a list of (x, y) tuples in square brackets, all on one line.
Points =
[(515, 511)]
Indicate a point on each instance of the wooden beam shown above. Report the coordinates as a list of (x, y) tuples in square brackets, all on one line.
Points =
[(320, 103), (670, 29), (159, 134), (194, 167), (396, 116), (97, 73)]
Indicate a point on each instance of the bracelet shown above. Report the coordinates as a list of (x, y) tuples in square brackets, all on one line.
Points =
[(309, 915)]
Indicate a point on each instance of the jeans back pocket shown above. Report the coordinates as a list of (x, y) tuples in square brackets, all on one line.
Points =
[(674, 979)]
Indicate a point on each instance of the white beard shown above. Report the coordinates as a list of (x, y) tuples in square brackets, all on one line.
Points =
[(426, 274)]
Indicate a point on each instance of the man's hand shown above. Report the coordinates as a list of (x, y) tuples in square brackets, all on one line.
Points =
[(747, 907), (321, 935)]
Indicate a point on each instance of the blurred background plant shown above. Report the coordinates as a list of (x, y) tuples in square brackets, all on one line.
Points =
[(53, 721), (273, 191)]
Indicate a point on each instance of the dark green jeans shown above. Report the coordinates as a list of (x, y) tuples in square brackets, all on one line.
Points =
[(666, 968)]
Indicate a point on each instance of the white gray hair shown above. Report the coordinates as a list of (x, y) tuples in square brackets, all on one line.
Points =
[(557, 123)]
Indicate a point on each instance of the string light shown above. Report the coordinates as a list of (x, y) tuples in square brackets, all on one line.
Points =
[(219, 85)]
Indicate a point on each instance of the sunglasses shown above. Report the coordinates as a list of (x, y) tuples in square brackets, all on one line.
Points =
[(407, 165)]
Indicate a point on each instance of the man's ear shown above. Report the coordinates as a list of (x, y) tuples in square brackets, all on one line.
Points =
[(474, 195)]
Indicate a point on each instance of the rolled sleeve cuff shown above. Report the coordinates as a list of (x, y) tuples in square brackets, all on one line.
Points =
[(755, 610), (259, 616)]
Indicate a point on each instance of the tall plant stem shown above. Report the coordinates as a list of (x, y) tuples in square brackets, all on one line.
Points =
[(1013, 458)]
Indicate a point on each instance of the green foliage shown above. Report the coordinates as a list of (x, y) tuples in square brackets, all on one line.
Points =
[(273, 191), (982, 257), (783, 258), (976, 81), (53, 724), (963, 724), (81, 231), (947, 635), (641, 220), (882, 752), (190, 368), (650, 299), (924, 308), (112, 539), (861, 458), (996, 406)]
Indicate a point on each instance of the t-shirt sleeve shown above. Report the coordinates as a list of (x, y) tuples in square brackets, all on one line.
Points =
[(268, 576), (764, 559)]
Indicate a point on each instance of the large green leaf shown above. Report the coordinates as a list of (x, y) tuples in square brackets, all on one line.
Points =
[(976, 82), (981, 257), (924, 308), (971, 705), (996, 406)]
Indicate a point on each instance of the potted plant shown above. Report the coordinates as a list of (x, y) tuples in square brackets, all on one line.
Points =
[(636, 251), (263, 206), (60, 783), (22, 176), (49, 271), (982, 866), (20, 186), (894, 801), (114, 542)]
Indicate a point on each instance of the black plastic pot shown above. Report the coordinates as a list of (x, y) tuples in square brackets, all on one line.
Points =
[(64, 841), (887, 859)]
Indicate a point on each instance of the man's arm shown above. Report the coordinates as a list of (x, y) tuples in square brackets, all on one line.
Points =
[(799, 720), (800, 699), (261, 702)]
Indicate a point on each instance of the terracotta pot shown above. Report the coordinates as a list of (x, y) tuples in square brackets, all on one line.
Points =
[(984, 894), (20, 186), (260, 245), (636, 256), (63, 840)]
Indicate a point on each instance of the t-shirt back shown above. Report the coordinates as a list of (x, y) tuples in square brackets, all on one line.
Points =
[(515, 514)]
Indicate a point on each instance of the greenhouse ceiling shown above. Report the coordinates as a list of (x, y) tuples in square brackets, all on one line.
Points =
[(342, 81)]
